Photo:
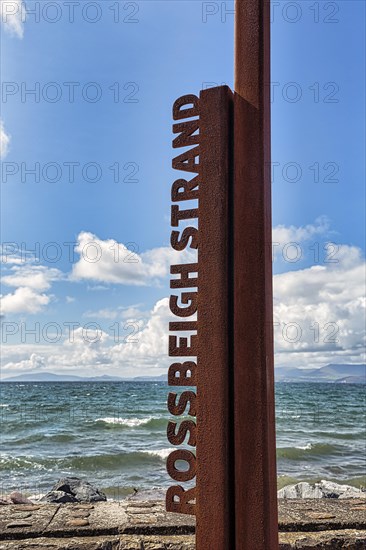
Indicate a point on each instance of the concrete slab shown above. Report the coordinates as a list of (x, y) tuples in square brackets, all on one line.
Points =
[(304, 525), (321, 514), (21, 521), (102, 518)]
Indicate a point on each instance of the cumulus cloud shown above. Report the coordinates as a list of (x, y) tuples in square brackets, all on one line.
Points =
[(321, 308), (140, 346), (31, 282), (149, 344), (291, 235), (13, 13), (106, 261), (13, 261), (35, 277), (76, 350), (34, 363), (23, 300), (320, 312), (4, 141)]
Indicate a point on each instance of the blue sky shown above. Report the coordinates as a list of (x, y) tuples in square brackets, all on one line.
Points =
[(139, 57)]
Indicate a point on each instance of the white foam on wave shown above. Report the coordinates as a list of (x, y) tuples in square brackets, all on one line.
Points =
[(129, 422), (161, 453), (306, 447), (24, 461)]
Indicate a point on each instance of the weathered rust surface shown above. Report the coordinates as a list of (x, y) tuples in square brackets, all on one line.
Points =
[(214, 377), (182, 498), (236, 452), (236, 498), (254, 419)]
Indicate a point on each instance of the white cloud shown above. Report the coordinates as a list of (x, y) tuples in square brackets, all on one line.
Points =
[(286, 234), (13, 14), (12, 261), (31, 282), (86, 351), (324, 310), (307, 298), (321, 311), (35, 277), (97, 288), (4, 141), (13, 254), (111, 262), (34, 363), (141, 345), (23, 300), (283, 235), (151, 345), (15, 353)]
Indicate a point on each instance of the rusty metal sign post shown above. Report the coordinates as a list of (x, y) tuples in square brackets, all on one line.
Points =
[(227, 354)]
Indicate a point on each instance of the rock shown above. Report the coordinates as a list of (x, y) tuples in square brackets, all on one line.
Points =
[(300, 490), (335, 490), (78, 522), (58, 497), (73, 489), (18, 498), (15, 498), (322, 489)]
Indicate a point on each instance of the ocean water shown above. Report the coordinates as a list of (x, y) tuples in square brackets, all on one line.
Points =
[(114, 435)]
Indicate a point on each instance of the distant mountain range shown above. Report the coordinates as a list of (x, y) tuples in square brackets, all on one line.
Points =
[(338, 374), (51, 377)]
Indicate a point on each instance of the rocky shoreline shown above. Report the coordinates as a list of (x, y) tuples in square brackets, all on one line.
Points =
[(76, 490), (75, 515)]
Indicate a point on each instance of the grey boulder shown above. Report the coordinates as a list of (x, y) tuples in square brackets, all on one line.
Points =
[(58, 497), (73, 489), (322, 489)]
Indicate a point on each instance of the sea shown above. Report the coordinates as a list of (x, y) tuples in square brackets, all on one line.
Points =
[(113, 434)]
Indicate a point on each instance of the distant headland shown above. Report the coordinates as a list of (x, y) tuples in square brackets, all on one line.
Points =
[(332, 373), (52, 377)]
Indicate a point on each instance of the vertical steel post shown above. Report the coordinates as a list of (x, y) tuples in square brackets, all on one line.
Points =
[(256, 520), (236, 463), (215, 526)]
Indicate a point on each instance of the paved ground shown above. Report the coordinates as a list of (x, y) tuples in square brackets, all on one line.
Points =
[(303, 524)]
